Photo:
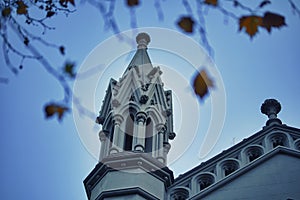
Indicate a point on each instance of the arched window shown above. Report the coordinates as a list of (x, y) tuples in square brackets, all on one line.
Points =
[(253, 152), (179, 194), (229, 166), (297, 144), (205, 180), (278, 139), (149, 135), (129, 133)]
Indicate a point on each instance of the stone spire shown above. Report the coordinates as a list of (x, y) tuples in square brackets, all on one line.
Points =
[(271, 107), (141, 59)]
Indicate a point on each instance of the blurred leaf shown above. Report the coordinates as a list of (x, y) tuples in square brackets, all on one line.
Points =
[(22, 8), (211, 2), (6, 12), (62, 50), (64, 3), (264, 3), (202, 83), (186, 24), (272, 20), (131, 3), (50, 14), (250, 23), (26, 41), (236, 3), (69, 69), (53, 108)]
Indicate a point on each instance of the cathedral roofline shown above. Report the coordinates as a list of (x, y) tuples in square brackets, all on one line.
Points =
[(264, 158), (247, 141)]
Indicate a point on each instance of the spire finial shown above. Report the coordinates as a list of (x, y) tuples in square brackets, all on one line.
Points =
[(271, 107), (142, 40)]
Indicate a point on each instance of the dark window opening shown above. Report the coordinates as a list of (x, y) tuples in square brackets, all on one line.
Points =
[(128, 133), (111, 136), (149, 136), (277, 142), (204, 184), (230, 167), (253, 154)]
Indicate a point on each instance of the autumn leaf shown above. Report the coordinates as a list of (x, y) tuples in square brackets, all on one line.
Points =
[(52, 108), (272, 20), (26, 41), (186, 24), (50, 14), (202, 83), (211, 2), (69, 69), (251, 24), (22, 8), (6, 12), (131, 3)]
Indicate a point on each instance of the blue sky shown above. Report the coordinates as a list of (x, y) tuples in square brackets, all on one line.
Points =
[(44, 159)]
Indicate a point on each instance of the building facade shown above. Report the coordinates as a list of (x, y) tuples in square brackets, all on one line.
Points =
[(137, 124)]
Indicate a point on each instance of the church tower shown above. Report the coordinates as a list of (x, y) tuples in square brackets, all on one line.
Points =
[(137, 123)]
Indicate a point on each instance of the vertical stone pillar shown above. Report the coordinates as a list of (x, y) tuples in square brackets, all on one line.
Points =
[(118, 136), (104, 144), (140, 131), (161, 129)]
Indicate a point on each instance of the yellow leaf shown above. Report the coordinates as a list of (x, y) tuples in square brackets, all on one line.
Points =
[(211, 2), (250, 23), (22, 8), (202, 83)]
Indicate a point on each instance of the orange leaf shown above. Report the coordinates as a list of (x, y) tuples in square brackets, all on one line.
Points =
[(132, 2), (250, 23), (202, 83), (272, 20), (186, 24), (22, 8), (52, 109), (211, 2)]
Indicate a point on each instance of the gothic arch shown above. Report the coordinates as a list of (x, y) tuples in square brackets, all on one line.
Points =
[(202, 181), (297, 144), (275, 139), (155, 115), (252, 152), (179, 193), (228, 166), (108, 122)]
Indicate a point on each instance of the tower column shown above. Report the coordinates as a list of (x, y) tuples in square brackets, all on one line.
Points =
[(118, 137), (104, 144), (161, 128), (140, 131)]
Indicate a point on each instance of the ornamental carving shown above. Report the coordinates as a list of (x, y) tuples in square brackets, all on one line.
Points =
[(144, 99)]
